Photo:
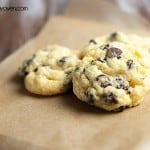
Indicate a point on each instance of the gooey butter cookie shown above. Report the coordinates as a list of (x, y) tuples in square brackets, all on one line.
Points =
[(112, 75), (49, 71)]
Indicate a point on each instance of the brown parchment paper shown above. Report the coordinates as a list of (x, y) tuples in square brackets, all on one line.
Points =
[(30, 122)]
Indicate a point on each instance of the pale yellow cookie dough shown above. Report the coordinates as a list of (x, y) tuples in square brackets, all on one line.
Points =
[(112, 75), (49, 71)]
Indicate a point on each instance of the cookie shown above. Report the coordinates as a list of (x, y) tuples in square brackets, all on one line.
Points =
[(112, 76), (49, 71), (120, 37)]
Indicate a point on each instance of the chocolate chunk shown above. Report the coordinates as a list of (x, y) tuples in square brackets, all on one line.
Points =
[(113, 36), (114, 52), (90, 98), (110, 98), (104, 80), (130, 64), (93, 41), (63, 59)]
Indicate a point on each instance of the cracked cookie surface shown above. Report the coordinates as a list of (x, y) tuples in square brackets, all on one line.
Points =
[(112, 76), (49, 70)]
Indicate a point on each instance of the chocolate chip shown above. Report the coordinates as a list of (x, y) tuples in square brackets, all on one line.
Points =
[(105, 59), (24, 71), (119, 57), (29, 61), (128, 91), (23, 74), (105, 84), (121, 108), (114, 52), (68, 72), (104, 47), (43, 65), (113, 36), (99, 76), (35, 70), (93, 41), (101, 60), (104, 80), (84, 70), (90, 98), (93, 62), (121, 84), (110, 98), (90, 101), (130, 64), (63, 59), (77, 69)]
